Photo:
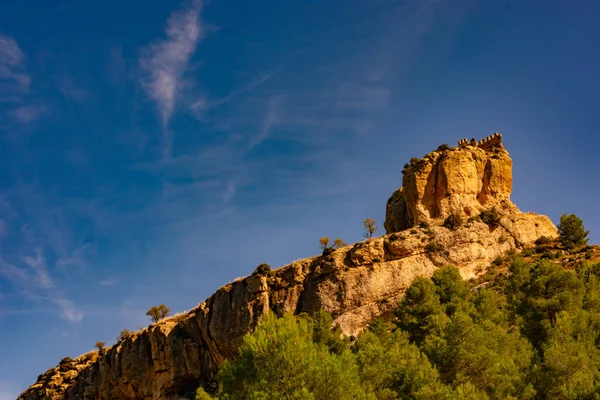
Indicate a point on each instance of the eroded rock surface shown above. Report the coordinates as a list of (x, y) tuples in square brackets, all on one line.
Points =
[(462, 180)]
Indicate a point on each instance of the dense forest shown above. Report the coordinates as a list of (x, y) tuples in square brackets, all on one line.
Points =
[(527, 329)]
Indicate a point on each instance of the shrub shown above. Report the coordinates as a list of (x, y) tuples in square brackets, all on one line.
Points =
[(423, 225), (527, 252), (543, 240), (125, 334), (65, 360), (406, 166), (434, 247), (572, 232), (453, 222), (443, 147), (158, 313), (327, 251), (262, 269), (370, 227), (413, 232), (414, 160), (490, 217)]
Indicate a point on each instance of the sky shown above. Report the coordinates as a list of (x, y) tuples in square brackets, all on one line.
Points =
[(153, 151)]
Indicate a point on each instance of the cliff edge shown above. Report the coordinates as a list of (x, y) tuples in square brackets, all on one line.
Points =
[(356, 283)]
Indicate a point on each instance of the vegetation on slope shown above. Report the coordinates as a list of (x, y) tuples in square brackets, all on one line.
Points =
[(529, 329)]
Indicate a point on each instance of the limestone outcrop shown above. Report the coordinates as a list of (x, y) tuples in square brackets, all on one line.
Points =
[(462, 180), (356, 283)]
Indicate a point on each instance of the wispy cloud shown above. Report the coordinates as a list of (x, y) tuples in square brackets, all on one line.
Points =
[(165, 62), (271, 118), (202, 104), (70, 90), (33, 279), (15, 83), (38, 243), (28, 114), (113, 280), (363, 97), (12, 60)]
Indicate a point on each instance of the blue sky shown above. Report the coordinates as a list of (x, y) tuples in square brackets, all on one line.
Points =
[(153, 151)]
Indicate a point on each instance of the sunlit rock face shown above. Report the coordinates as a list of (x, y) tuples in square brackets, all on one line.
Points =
[(462, 180)]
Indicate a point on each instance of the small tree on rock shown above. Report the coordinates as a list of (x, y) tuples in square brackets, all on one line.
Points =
[(100, 346), (324, 243), (338, 243), (370, 227), (572, 232), (158, 313)]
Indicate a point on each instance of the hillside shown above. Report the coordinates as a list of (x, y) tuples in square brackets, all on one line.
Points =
[(453, 208)]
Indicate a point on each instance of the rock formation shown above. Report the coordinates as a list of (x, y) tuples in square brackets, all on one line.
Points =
[(462, 180), (355, 284)]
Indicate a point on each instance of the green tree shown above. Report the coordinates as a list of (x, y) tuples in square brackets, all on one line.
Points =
[(451, 289), (482, 354), (280, 360), (370, 227), (540, 292), (158, 313), (571, 358), (420, 312), (324, 332), (572, 232), (393, 368)]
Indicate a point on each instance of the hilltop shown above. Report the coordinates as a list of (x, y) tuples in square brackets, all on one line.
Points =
[(453, 208)]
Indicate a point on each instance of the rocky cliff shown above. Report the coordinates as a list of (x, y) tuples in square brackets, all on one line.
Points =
[(462, 180), (355, 284)]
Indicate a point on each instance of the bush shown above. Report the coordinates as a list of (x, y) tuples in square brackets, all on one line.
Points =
[(125, 334), (434, 247), (158, 313), (262, 269), (414, 160), (542, 241), (453, 222), (423, 225), (327, 251), (572, 232), (443, 147), (490, 217)]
